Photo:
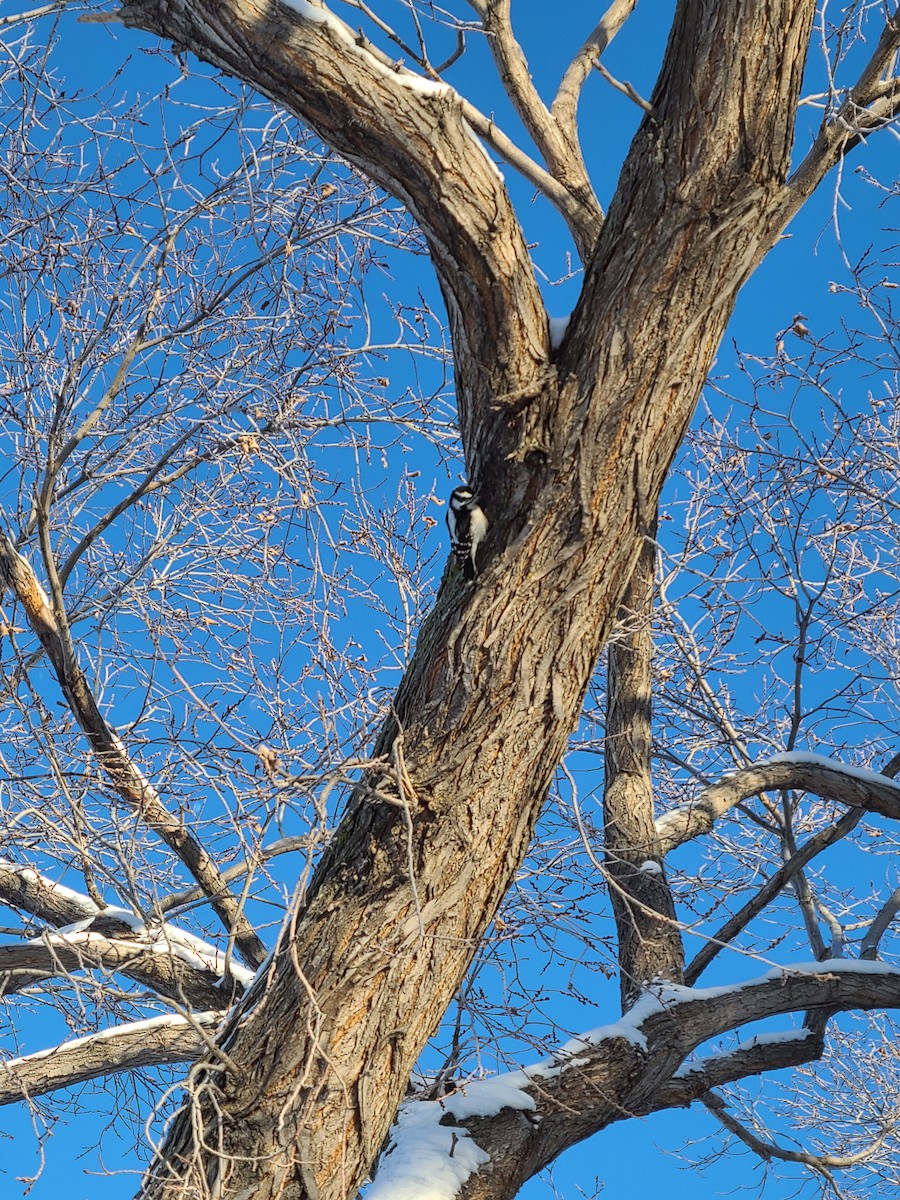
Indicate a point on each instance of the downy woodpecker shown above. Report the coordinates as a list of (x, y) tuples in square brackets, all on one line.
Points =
[(468, 526)]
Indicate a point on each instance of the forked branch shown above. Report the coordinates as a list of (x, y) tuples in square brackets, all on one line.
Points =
[(770, 889), (542, 1110), (557, 143), (870, 104), (410, 135)]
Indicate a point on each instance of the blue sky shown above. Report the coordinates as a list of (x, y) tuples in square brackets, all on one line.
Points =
[(638, 1155)]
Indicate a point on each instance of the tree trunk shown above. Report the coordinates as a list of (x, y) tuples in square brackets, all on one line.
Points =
[(648, 939), (569, 453)]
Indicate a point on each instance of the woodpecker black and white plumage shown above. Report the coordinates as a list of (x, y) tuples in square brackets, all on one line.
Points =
[(468, 526)]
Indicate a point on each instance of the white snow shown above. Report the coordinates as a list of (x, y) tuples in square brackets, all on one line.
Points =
[(309, 12), (775, 1039), (430, 1161), (166, 939), (625, 1028), (145, 783), (820, 760), (75, 927), (558, 327), (658, 997), (320, 15), (146, 1026), (426, 1160), (672, 817), (487, 1097), (829, 966)]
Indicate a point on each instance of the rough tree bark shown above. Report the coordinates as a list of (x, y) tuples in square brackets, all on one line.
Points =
[(649, 943), (569, 450)]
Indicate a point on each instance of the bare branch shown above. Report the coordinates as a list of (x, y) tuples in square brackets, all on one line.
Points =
[(487, 129), (757, 1057), (767, 1150), (128, 780), (822, 777), (288, 845), (872, 103), (151, 1043), (33, 14), (561, 152), (565, 104), (879, 926), (627, 89), (770, 889)]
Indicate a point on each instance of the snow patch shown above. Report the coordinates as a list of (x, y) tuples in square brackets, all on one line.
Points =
[(166, 1021), (673, 817), (558, 327), (320, 15), (829, 966), (819, 760), (487, 1097), (66, 930), (775, 1039), (425, 1160)]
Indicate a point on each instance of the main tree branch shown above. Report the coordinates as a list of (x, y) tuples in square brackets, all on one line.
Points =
[(527, 1118), (410, 135), (648, 937), (570, 457)]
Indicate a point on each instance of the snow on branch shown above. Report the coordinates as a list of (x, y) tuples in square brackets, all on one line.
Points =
[(824, 777), (26, 889), (438, 1147), (154, 1042), (159, 955)]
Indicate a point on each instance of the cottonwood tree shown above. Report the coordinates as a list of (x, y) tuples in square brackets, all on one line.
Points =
[(569, 440)]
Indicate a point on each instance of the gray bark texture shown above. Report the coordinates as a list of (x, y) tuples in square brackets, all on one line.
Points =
[(648, 937), (569, 450)]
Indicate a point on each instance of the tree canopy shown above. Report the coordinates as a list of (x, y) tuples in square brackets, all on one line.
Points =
[(277, 800)]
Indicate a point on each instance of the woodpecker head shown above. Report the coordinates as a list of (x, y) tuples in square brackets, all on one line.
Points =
[(462, 496)]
